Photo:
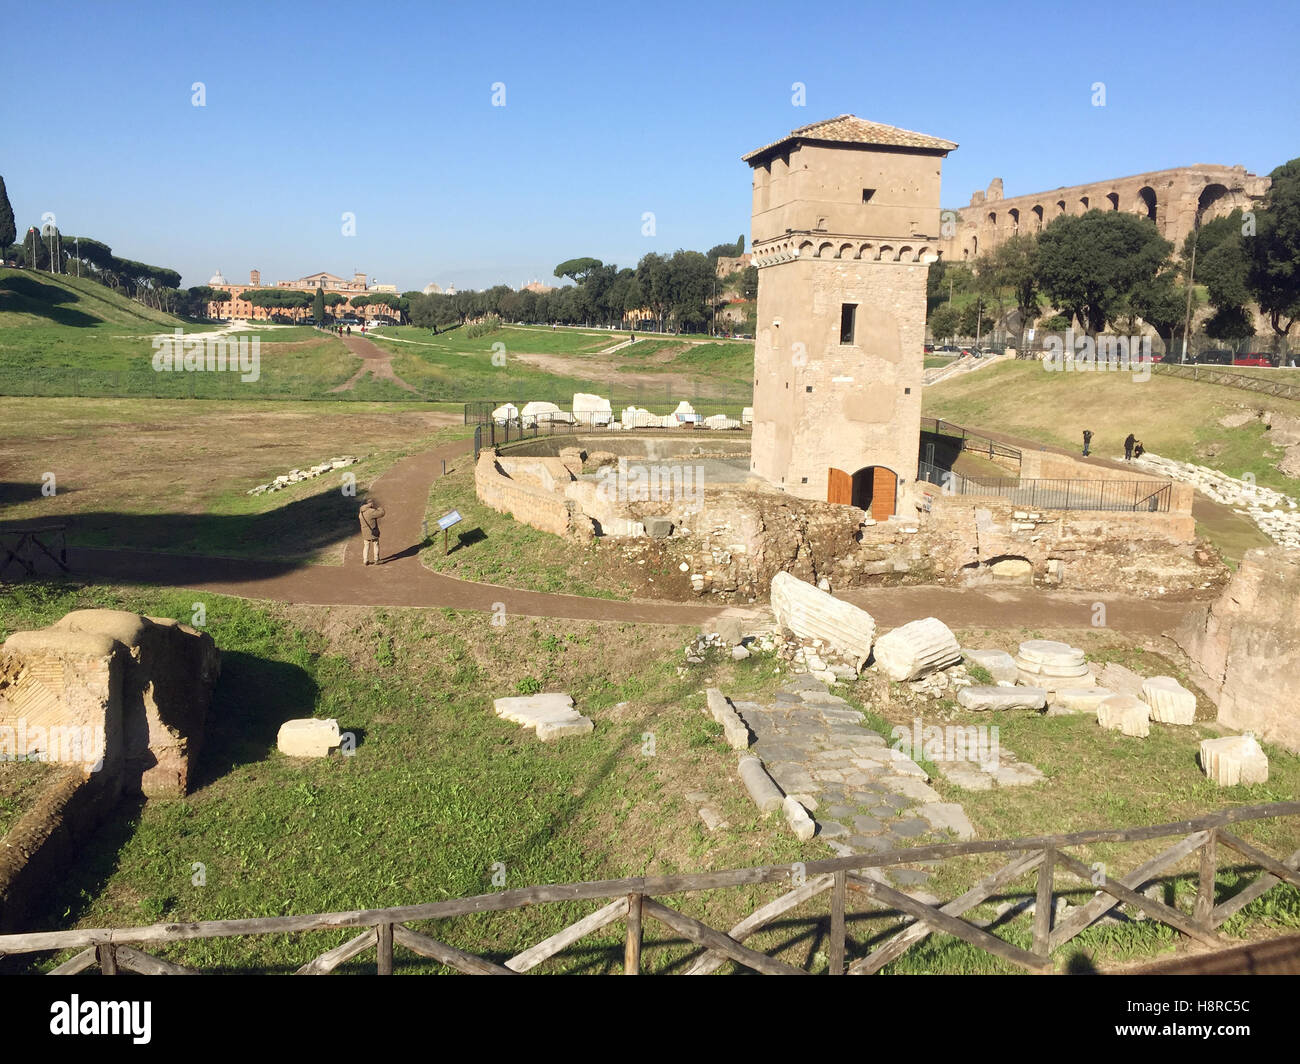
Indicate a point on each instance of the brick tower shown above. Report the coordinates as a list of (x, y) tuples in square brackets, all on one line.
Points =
[(845, 225)]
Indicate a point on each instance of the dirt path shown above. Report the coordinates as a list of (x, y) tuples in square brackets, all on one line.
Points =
[(403, 581), (375, 362)]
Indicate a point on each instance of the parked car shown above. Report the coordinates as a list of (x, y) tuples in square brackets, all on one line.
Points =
[(1215, 356), (1253, 358), (929, 348)]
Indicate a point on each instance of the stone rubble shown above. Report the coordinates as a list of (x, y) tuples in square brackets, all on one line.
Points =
[(1126, 714), (1234, 759), (812, 613), (296, 475), (551, 716), (1276, 514), (916, 648), (1170, 701)]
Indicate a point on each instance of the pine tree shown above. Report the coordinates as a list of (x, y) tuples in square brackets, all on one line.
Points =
[(8, 234)]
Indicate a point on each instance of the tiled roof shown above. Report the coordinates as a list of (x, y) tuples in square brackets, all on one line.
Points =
[(849, 129)]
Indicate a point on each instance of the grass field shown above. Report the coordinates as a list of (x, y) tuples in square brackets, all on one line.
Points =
[(150, 475), (1174, 418), (501, 550), (439, 790), (70, 336), (527, 362), (440, 794)]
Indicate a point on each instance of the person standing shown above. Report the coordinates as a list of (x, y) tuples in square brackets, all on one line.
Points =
[(1129, 441), (1087, 441), (1138, 449), (370, 514)]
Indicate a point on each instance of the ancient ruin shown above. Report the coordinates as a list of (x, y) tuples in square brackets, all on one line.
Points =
[(1174, 199), (135, 689)]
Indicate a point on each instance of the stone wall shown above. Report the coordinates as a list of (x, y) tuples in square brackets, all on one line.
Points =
[(45, 840), (533, 505), (139, 687), (1245, 647), (741, 538), (1171, 198)]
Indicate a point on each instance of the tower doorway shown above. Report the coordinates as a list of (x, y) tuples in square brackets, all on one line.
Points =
[(872, 488)]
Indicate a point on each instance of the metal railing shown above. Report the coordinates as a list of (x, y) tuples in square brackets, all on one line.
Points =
[(1150, 496), (972, 442)]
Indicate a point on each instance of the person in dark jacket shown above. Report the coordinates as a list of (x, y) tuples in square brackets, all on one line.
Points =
[(1138, 449), (1129, 441), (1087, 441), (370, 514)]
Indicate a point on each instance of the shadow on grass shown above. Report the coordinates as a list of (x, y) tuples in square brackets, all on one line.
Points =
[(199, 547), (26, 295), (253, 698)]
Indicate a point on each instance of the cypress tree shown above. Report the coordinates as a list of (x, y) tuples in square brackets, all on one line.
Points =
[(8, 234)]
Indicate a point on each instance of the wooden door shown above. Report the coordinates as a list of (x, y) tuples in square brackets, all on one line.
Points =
[(839, 487), (884, 486)]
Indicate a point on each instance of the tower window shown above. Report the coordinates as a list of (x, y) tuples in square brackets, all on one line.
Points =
[(848, 318), (867, 193)]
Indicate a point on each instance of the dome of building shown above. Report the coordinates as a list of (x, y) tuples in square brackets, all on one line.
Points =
[(432, 290), (216, 279)]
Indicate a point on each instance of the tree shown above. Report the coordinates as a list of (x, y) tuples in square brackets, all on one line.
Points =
[(1014, 268), (749, 283), (1161, 302), (576, 270), (8, 234), (272, 299), (974, 318), (318, 306), (1273, 252), (1088, 264), (944, 321)]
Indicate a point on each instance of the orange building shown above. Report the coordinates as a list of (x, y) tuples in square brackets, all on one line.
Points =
[(240, 309)]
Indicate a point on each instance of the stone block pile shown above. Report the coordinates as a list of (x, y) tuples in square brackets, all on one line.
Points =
[(1276, 514), (295, 476)]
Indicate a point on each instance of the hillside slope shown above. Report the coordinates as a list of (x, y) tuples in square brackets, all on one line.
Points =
[(31, 298), (1191, 421)]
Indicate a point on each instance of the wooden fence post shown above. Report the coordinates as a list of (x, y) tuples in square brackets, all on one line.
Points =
[(632, 948), (1205, 884), (385, 951), (1043, 904), (838, 891), (107, 957)]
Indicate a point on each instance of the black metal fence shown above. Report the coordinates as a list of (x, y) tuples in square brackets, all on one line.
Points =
[(972, 442), (1056, 493)]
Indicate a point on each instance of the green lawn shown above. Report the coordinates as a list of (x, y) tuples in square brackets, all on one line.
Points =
[(1172, 417), (439, 793)]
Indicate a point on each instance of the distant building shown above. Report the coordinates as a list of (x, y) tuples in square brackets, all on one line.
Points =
[(537, 286), (239, 308), (727, 265)]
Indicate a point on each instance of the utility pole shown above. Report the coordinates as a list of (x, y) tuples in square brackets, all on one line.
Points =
[(1191, 276)]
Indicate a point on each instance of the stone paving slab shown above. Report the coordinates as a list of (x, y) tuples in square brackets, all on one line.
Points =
[(869, 797)]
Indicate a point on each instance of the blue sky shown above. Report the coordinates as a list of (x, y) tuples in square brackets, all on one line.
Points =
[(385, 110)]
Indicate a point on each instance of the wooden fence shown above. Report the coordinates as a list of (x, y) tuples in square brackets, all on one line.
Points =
[(634, 901), (1282, 385)]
